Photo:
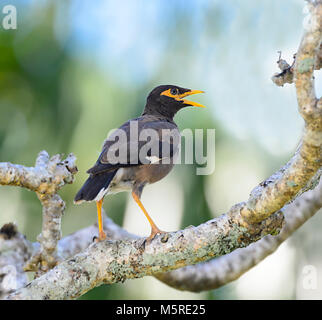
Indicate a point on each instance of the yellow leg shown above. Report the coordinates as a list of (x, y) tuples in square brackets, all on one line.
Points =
[(102, 234), (154, 229)]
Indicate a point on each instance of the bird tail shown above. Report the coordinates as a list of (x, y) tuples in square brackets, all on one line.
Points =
[(94, 187)]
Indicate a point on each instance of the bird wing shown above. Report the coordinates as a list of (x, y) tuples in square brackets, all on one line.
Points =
[(143, 140)]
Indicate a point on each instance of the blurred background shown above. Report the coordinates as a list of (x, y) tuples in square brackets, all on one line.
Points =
[(73, 70)]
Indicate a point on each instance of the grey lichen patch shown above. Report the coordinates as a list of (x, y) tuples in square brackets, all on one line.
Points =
[(305, 65), (238, 237), (162, 258), (119, 271), (292, 184)]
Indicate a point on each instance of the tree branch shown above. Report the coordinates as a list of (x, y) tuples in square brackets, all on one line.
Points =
[(114, 261), (218, 272), (285, 184), (203, 276), (46, 178)]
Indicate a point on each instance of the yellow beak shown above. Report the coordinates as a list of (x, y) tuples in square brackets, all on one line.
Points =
[(191, 103)]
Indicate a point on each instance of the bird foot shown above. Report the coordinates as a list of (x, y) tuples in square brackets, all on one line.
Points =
[(154, 232), (101, 237)]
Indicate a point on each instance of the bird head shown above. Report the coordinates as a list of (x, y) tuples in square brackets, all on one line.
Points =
[(167, 100)]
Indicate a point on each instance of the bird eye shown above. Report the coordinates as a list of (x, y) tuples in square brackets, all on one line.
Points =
[(174, 91)]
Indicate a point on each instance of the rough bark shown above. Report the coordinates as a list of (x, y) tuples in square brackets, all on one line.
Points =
[(114, 261)]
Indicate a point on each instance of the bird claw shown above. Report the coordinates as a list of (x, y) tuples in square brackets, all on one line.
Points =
[(101, 237), (153, 234)]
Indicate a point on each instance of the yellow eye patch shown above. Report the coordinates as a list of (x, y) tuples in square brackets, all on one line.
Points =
[(170, 93)]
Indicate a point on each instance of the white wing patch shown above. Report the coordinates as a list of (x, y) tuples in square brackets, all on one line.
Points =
[(101, 194), (153, 159)]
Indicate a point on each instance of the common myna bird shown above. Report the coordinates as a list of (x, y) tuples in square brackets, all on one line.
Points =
[(128, 164)]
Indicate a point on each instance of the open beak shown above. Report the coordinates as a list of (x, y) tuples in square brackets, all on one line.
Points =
[(187, 102)]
